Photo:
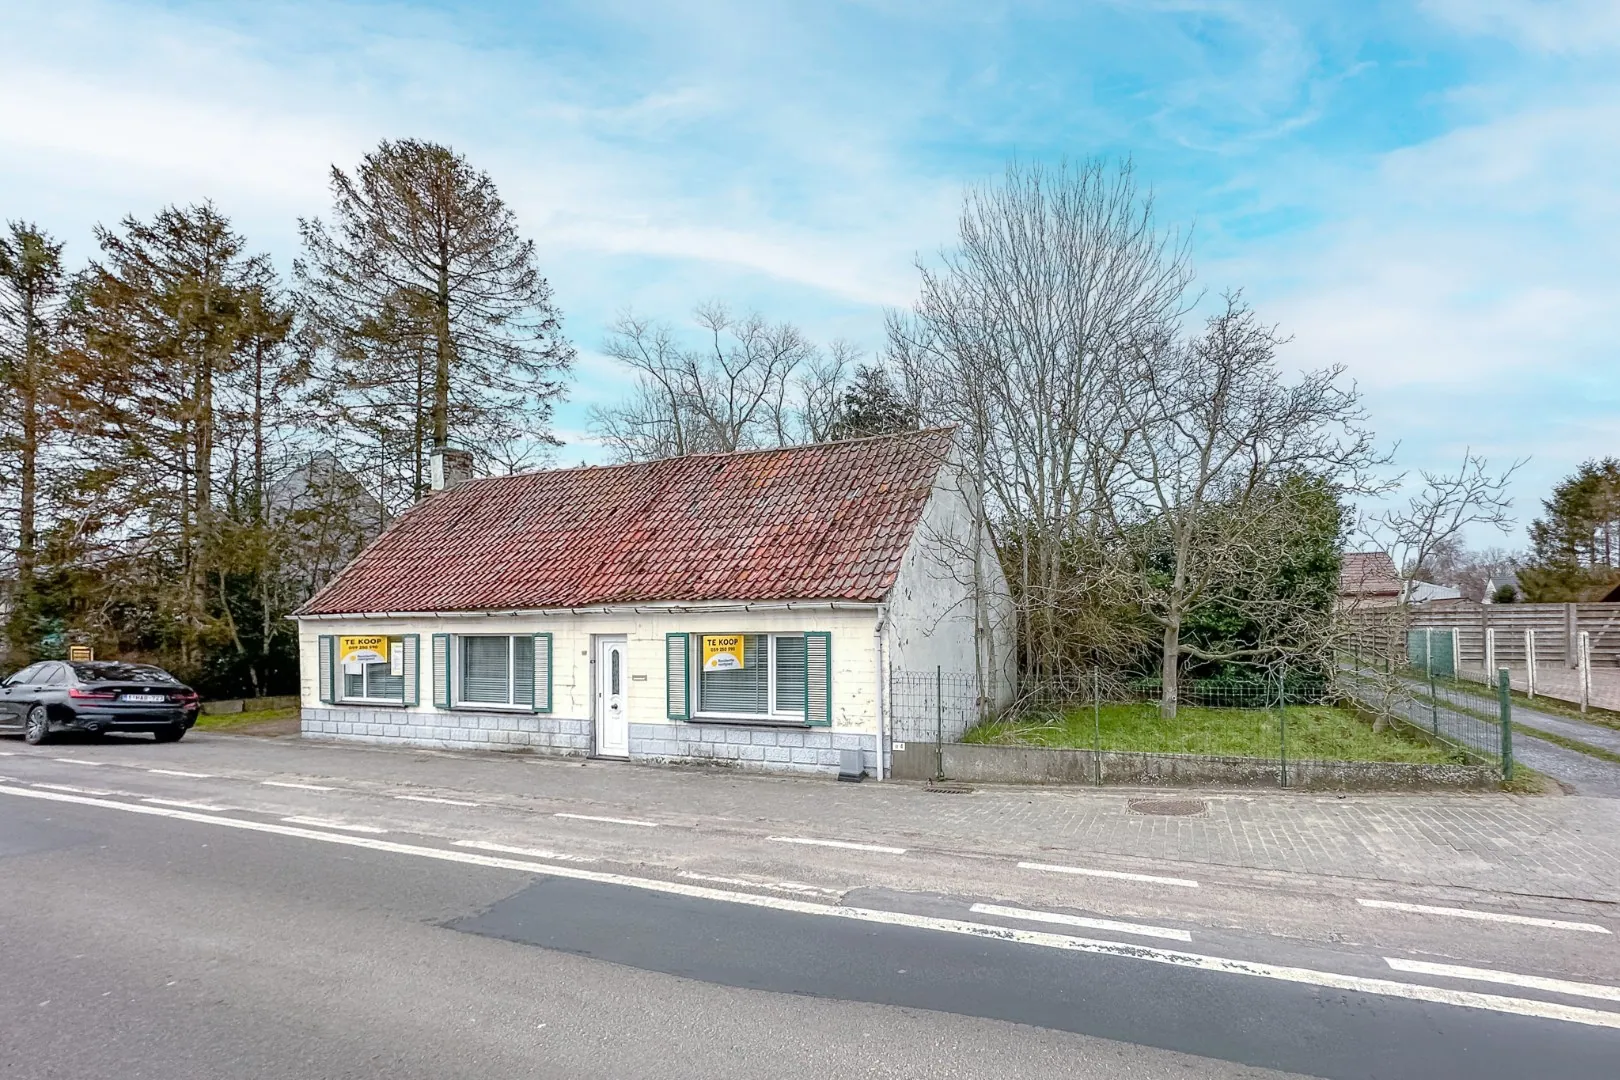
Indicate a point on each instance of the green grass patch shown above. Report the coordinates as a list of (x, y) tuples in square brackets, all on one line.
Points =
[(1318, 732), (227, 721)]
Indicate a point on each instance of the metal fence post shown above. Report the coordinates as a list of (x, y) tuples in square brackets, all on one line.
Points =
[(1096, 724), (939, 722), (1504, 704), (1434, 703)]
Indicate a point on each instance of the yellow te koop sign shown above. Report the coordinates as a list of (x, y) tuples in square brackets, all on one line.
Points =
[(722, 652), (356, 652)]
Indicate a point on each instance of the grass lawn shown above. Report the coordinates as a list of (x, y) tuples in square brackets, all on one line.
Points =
[(232, 721), (1319, 732)]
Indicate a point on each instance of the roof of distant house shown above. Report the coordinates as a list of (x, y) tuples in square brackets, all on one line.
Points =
[(830, 521), (1365, 574)]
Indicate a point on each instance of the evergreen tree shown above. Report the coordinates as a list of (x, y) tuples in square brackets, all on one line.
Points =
[(428, 309), (33, 295), (873, 405), (1575, 546)]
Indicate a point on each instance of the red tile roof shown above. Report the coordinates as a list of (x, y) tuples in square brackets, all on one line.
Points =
[(824, 522), (1368, 574)]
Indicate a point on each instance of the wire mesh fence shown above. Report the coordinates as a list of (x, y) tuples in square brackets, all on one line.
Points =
[(1353, 714)]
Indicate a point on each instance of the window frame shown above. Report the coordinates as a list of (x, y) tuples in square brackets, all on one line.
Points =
[(457, 662), (340, 678), (775, 715)]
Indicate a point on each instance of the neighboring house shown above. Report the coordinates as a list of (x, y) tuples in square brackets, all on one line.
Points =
[(1368, 579), (746, 608), (1502, 579), (328, 515), (1426, 592)]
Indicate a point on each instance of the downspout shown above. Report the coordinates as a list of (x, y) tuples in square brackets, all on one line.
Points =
[(882, 691)]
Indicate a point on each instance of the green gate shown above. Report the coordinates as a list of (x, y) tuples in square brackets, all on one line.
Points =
[(1433, 651)]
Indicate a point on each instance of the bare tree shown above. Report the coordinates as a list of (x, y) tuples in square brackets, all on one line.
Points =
[(1058, 275), (1428, 529), (1197, 495), (748, 383)]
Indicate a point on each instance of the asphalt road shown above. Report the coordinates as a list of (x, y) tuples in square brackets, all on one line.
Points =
[(176, 944)]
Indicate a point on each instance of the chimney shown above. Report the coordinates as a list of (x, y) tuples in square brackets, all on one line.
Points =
[(448, 467)]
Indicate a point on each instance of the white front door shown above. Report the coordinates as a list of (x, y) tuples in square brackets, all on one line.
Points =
[(612, 693)]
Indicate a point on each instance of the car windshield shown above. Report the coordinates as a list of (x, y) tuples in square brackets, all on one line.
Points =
[(108, 672)]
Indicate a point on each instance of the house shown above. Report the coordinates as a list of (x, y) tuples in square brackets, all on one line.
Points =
[(1427, 592), (1368, 579), (746, 608), (1499, 583)]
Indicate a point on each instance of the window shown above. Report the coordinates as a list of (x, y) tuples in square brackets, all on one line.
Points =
[(383, 681), (770, 684), (495, 670)]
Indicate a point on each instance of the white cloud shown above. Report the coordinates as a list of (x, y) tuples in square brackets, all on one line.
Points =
[(1549, 26)]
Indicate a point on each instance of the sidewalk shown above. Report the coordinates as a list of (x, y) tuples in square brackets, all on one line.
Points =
[(1544, 846)]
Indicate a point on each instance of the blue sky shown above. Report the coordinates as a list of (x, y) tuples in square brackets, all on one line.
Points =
[(1428, 193)]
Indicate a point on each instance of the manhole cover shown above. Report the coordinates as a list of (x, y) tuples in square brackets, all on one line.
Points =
[(1167, 807), (948, 787)]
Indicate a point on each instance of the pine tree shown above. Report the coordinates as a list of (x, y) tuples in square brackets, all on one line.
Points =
[(162, 322), (1576, 545), (428, 307), (33, 295), (873, 405)]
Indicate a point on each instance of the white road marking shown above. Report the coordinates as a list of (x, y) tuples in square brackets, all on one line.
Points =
[(184, 805), (322, 823), (83, 791), (289, 783), (848, 845), (1507, 978), (1139, 929), (1487, 916), (8, 753), (610, 820), (177, 772), (431, 799), (780, 886), (1466, 999), (76, 761), (533, 853), (1088, 871)]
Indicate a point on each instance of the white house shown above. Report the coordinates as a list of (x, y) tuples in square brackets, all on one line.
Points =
[(746, 608)]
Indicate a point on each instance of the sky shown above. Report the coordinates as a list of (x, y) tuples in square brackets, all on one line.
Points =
[(1427, 193)]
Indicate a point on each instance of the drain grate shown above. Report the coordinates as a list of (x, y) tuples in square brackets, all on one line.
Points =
[(1167, 807), (948, 787)]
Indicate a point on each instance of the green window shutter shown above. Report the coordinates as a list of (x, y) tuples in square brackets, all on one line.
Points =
[(411, 646), (678, 676), (324, 667), (818, 678), (441, 670), (542, 673)]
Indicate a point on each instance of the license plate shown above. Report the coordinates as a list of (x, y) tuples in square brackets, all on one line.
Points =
[(145, 699)]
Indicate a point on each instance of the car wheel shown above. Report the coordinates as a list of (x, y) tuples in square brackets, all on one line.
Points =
[(170, 734), (38, 726)]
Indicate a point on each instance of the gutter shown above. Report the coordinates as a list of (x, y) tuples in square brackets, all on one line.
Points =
[(696, 607), (882, 687)]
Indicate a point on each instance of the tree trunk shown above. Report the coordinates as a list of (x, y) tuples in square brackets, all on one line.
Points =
[(28, 480), (1169, 667), (443, 346)]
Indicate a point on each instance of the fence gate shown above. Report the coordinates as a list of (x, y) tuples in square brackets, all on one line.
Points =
[(928, 709)]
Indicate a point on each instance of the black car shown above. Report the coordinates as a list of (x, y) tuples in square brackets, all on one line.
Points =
[(95, 696)]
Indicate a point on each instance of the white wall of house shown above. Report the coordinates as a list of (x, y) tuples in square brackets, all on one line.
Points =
[(934, 608), (569, 726)]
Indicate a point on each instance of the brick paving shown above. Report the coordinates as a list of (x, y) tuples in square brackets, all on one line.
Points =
[(1547, 846)]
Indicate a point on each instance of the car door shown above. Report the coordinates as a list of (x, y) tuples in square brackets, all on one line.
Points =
[(13, 693)]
